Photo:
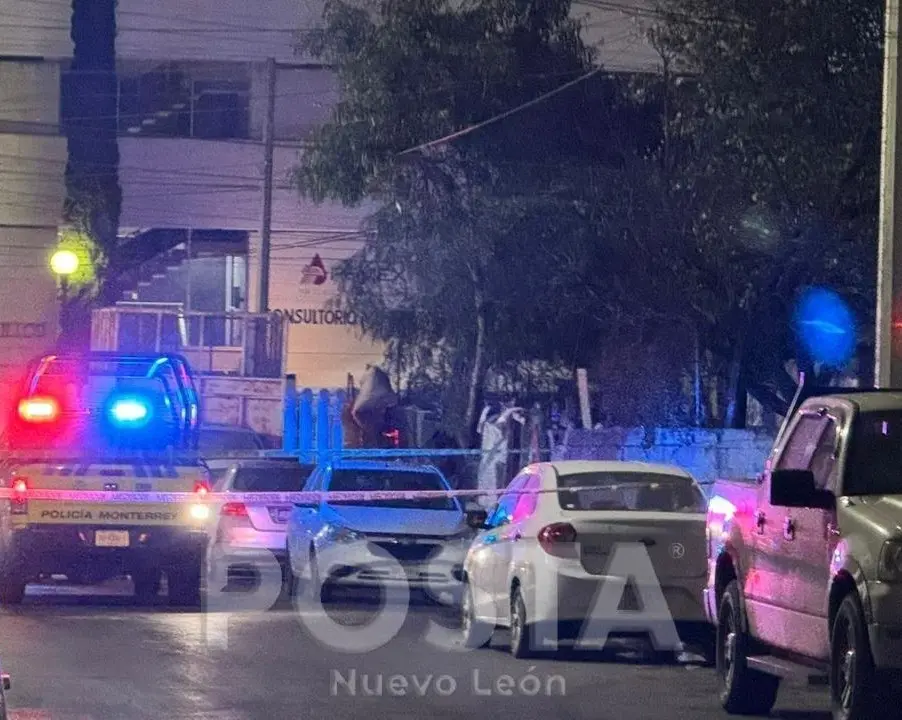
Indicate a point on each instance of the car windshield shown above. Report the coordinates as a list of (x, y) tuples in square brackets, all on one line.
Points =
[(378, 480), (213, 440), (875, 455), (287, 477), (640, 491)]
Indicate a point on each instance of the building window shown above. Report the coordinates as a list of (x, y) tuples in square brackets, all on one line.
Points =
[(178, 101), (221, 110)]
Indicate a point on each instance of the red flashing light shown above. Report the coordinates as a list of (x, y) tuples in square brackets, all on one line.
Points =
[(201, 488), (394, 437), (558, 539), (39, 409), (234, 509), (19, 501)]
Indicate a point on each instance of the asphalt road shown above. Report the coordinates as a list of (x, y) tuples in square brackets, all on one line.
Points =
[(95, 655)]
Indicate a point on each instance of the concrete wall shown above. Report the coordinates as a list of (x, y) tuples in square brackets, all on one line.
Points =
[(707, 454)]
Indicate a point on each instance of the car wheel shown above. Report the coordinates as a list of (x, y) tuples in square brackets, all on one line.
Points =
[(743, 691), (521, 646), (854, 692), (318, 588), (476, 634)]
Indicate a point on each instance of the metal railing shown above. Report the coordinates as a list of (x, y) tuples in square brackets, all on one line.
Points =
[(223, 343)]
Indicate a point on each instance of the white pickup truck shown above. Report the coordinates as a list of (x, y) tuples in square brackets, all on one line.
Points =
[(805, 564)]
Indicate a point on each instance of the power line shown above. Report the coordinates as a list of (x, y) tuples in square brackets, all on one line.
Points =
[(497, 118)]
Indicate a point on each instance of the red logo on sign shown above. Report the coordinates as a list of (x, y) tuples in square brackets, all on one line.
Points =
[(315, 272)]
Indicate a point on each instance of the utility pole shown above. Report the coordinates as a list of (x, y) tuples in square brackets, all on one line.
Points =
[(268, 143), (888, 359)]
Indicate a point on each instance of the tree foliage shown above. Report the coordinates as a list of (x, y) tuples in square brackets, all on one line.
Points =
[(93, 196), (477, 247), (774, 131)]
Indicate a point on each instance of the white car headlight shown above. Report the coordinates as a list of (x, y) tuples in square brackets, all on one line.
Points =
[(889, 566)]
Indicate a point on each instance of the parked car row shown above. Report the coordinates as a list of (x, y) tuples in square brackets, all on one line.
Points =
[(798, 571), (536, 558)]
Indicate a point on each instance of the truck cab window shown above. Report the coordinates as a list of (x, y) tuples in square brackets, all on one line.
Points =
[(874, 460), (802, 443), (823, 463)]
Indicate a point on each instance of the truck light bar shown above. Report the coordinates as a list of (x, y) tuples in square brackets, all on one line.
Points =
[(39, 409)]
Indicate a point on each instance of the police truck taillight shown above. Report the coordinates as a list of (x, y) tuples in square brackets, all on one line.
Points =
[(18, 501), (559, 540)]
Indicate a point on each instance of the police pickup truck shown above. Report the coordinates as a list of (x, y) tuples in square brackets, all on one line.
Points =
[(104, 423), (805, 564)]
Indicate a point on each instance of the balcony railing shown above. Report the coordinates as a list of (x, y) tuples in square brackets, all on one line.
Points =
[(226, 343)]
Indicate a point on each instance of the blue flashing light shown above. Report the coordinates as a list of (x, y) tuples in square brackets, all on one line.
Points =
[(826, 326), (130, 411)]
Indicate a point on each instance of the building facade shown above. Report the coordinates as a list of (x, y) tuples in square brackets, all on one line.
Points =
[(191, 104)]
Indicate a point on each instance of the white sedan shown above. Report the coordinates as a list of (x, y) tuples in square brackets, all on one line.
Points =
[(401, 544), (625, 555)]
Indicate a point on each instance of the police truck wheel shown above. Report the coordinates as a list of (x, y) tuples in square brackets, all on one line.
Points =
[(12, 583), (12, 589), (743, 691), (185, 585), (147, 584)]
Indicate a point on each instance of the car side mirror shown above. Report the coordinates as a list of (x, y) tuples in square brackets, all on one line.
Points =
[(477, 519), (797, 489)]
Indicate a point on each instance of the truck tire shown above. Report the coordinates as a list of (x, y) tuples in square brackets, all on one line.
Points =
[(743, 691), (12, 589), (147, 584), (185, 585), (12, 582), (855, 690)]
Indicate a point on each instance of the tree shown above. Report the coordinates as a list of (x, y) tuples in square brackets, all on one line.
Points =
[(93, 195), (775, 121), (441, 267)]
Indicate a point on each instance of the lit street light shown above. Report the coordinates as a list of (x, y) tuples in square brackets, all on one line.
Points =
[(64, 263)]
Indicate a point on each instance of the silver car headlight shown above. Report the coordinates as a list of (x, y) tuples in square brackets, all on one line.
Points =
[(889, 566), (343, 534)]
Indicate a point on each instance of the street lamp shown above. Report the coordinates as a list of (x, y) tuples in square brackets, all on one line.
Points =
[(64, 263)]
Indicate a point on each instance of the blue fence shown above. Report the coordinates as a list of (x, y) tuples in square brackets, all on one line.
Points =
[(312, 423)]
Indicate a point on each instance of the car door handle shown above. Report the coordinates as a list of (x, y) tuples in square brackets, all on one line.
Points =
[(760, 519), (789, 529)]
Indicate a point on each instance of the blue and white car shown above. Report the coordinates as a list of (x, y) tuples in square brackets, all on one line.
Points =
[(419, 543)]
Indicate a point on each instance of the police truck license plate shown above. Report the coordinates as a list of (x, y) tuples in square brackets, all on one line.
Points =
[(111, 538)]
